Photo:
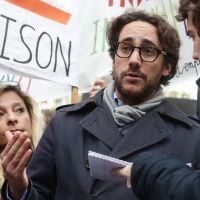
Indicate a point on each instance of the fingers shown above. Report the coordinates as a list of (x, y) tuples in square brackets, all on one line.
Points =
[(22, 161), (124, 172), (16, 154), (20, 157), (128, 183), (14, 160), (11, 137)]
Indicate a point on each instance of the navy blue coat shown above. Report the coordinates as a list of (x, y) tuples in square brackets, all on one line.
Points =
[(59, 167), (160, 177)]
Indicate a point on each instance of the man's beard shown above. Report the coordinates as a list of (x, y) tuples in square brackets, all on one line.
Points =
[(134, 97)]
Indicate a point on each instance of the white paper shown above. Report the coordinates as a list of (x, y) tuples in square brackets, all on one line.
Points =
[(101, 166)]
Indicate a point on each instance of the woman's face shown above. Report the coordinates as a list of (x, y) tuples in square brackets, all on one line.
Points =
[(13, 116)]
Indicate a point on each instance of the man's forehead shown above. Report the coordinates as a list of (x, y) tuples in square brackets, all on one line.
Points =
[(139, 31)]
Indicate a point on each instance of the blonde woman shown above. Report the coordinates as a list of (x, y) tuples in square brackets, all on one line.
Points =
[(18, 113)]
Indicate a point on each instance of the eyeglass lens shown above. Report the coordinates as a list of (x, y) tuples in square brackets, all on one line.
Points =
[(124, 50)]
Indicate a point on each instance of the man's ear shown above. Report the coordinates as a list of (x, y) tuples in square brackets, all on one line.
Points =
[(167, 70)]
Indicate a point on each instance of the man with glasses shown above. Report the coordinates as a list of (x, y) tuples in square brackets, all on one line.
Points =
[(155, 176), (130, 116)]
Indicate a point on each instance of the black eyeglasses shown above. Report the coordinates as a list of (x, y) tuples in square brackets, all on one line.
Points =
[(185, 26), (147, 54)]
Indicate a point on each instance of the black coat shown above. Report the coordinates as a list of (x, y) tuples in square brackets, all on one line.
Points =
[(59, 167), (160, 177)]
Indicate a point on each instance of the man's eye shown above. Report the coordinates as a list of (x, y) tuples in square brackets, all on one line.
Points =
[(125, 48), (148, 50)]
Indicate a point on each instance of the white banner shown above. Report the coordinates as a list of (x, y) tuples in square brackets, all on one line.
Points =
[(36, 46), (75, 52)]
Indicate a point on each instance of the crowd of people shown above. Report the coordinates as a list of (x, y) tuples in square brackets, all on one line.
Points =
[(129, 118)]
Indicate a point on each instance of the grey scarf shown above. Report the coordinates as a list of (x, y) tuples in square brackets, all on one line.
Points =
[(126, 114)]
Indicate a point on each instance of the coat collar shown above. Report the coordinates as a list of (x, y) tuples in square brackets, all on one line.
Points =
[(166, 109), (144, 133), (87, 104), (138, 136), (169, 110)]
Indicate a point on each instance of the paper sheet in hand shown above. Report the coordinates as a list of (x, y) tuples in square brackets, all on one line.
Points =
[(101, 165)]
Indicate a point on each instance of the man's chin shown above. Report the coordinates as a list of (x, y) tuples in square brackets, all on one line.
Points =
[(132, 89)]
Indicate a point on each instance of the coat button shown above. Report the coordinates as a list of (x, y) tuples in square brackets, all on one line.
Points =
[(92, 197), (162, 112)]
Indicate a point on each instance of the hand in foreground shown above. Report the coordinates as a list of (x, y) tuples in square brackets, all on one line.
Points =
[(14, 160), (124, 172)]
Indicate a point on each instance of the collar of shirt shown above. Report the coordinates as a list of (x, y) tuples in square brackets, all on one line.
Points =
[(117, 100)]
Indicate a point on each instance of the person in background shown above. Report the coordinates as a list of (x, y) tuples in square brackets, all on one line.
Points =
[(18, 113), (131, 115), (156, 176), (189, 12), (100, 84), (97, 86), (48, 114)]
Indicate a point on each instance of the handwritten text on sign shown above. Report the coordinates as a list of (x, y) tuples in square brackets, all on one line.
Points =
[(38, 47)]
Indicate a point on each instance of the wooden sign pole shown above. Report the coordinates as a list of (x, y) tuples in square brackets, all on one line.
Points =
[(74, 95)]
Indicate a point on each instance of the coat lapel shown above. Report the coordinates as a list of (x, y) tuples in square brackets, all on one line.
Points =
[(148, 131), (143, 133), (101, 124)]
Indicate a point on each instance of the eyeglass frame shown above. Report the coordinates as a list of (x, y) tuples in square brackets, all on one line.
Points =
[(185, 26), (115, 46)]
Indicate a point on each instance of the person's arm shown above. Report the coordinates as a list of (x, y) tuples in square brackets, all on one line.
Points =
[(9, 196), (156, 176)]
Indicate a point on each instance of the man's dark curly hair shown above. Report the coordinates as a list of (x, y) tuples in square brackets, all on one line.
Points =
[(167, 34), (190, 5)]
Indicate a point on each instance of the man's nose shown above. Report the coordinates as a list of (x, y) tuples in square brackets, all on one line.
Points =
[(135, 57)]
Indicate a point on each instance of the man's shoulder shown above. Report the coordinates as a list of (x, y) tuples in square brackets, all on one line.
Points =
[(195, 119), (63, 107), (85, 105), (170, 110)]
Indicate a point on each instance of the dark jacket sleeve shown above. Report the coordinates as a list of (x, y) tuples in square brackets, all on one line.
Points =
[(156, 176)]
